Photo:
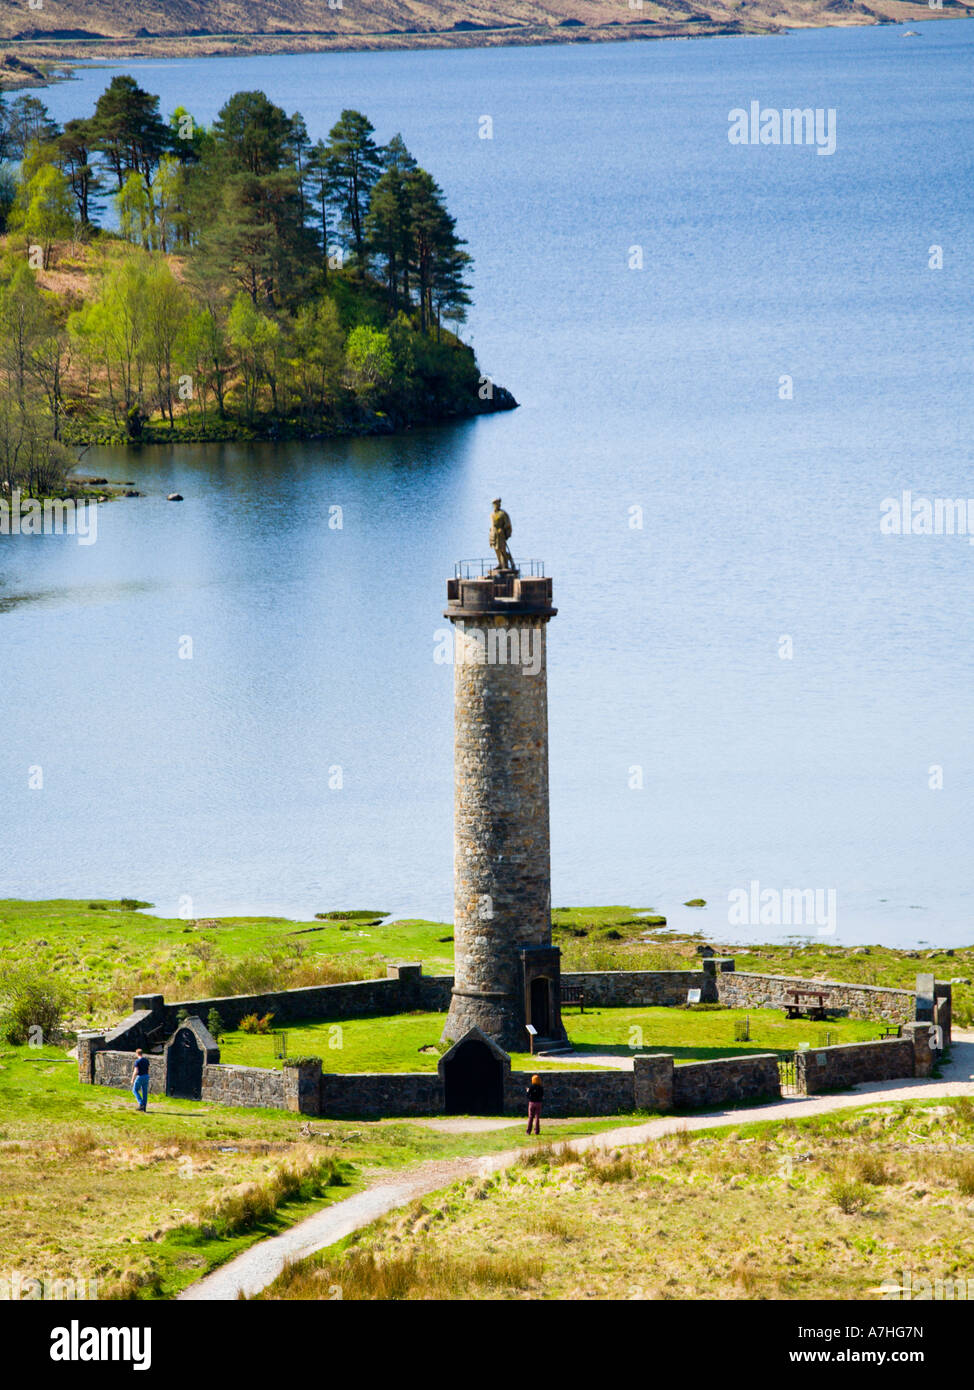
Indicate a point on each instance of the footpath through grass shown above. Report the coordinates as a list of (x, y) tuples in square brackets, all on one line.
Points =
[(145, 1204), (834, 1207)]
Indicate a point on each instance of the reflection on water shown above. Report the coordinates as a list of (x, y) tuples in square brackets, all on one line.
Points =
[(236, 704)]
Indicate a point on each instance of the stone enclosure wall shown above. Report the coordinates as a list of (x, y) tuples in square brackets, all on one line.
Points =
[(638, 988), (113, 1068), (847, 1065), (405, 989), (655, 1083), (743, 990)]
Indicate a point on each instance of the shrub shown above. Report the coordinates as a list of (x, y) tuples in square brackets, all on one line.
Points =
[(29, 1000), (215, 1024), (849, 1194), (248, 1024)]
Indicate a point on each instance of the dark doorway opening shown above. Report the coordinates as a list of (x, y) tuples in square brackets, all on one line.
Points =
[(540, 1006), (184, 1066), (473, 1078)]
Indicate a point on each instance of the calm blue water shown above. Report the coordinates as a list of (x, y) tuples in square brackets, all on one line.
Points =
[(657, 389)]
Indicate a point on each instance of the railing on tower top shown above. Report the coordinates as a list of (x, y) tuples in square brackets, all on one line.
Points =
[(480, 569)]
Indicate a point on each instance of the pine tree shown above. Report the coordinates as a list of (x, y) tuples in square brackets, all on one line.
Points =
[(76, 152), (129, 130), (388, 223), (354, 163)]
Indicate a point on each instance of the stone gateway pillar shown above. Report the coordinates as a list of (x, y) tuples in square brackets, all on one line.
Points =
[(507, 972)]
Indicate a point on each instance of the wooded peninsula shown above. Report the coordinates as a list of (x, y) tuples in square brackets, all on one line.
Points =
[(253, 284)]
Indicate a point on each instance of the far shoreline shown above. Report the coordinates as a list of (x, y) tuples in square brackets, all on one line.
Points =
[(35, 62)]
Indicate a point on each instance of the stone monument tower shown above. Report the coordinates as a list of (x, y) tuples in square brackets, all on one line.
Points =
[(507, 971)]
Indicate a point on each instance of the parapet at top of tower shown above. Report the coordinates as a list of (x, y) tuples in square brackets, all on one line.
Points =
[(498, 591)]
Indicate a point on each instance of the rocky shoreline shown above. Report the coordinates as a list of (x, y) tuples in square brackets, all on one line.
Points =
[(361, 423)]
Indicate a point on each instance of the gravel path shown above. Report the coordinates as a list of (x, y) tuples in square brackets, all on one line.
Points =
[(255, 1268)]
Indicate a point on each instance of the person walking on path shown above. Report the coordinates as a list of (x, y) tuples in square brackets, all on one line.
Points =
[(140, 1079), (535, 1095)]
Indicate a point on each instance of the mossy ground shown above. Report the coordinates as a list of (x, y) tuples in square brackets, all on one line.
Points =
[(834, 1207)]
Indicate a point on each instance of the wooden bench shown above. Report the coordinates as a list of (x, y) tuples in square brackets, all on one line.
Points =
[(573, 994), (890, 1030), (795, 1008)]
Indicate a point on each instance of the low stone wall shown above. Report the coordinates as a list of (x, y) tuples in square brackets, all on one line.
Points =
[(133, 1031), (636, 988), (739, 989), (434, 992), (113, 1068), (839, 1068), (572, 1093), (381, 1093), (230, 1085), (405, 989), (727, 1081)]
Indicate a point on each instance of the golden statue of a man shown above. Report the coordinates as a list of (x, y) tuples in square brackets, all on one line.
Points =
[(500, 530)]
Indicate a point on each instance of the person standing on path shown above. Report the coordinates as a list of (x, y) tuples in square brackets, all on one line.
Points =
[(535, 1095), (140, 1079)]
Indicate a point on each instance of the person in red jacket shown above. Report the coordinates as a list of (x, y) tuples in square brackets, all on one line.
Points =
[(535, 1095)]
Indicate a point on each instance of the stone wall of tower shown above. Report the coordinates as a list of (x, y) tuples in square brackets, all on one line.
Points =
[(501, 840)]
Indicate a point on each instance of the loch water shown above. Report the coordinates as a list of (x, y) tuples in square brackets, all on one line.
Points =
[(749, 682)]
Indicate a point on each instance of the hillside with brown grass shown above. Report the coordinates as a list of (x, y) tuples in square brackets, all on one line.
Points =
[(66, 30)]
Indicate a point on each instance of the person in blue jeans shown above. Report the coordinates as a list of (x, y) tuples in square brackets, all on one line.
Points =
[(140, 1079)]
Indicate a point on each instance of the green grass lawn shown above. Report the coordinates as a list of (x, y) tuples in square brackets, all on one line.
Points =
[(395, 1043)]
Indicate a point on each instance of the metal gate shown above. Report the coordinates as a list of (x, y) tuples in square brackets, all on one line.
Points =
[(788, 1075)]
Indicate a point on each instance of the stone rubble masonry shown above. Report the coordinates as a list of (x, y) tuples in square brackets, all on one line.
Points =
[(569, 1093), (846, 1065), (703, 1085), (372, 1094), (405, 989), (652, 1077), (921, 1036), (112, 1068), (248, 1086), (302, 1086), (501, 859), (635, 988), (743, 990), (654, 1084)]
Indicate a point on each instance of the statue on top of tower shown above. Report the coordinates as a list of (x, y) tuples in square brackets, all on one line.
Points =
[(500, 531)]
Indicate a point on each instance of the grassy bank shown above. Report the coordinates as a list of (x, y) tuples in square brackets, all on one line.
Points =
[(834, 1207), (145, 1204), (105, 952)]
